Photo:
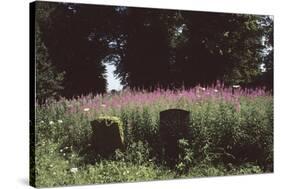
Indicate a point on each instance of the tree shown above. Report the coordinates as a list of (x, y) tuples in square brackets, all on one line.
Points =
[(267, 77), (79, 40), (175, 48), (48, 79), (223, 47), (156, 48), (144, 62)]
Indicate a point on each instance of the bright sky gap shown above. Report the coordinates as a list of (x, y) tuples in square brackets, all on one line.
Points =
[(112, 81)]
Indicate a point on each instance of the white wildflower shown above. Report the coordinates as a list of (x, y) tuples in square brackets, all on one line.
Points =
[(235, 86), (61, 150), (202, 88), (103, 105), (66, 147), (63, 154), (216, 91), (86, 109), (73, 170), (42, 121), (59, 121), (51, 123)]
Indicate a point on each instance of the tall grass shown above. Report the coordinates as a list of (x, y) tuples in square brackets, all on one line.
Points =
[(231, 132)]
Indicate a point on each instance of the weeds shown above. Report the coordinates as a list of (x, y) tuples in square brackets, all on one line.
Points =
[(229, 134)]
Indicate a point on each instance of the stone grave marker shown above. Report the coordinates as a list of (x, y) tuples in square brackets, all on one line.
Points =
[(107, 135), (174, 125)]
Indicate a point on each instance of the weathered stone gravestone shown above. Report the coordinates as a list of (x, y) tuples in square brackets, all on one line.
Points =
[(174, 125), (107, 135)]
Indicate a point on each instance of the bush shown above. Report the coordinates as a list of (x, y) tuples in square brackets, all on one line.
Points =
[(223, 134), (56, 166), (185, 159), (138, 153)]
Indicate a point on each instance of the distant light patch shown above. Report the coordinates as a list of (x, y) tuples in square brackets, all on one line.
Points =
[(112, 82), (262, 67)]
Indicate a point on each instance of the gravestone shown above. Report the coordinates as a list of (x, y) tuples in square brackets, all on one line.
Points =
[(107, 135), (174, 125)]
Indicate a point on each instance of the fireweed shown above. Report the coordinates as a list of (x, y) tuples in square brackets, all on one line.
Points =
[(231, 132)]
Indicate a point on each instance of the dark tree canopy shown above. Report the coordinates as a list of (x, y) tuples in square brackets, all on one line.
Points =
[(74, 50), (175, 48), (48, 79), (157, 48)]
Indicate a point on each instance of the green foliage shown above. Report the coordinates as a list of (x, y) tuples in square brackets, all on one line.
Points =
[(227, 137), (204, 170), (195, 48), (69, 37), (171, 48), (136, 153), (221, 133), (267, 77), (185, 157), (112, 171), (48, 79), (59, 166)]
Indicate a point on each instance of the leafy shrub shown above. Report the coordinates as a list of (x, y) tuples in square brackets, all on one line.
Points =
[(136, 153), (246, 169), (53, 168), (120, 171), (185, 156), (220, 133), (203, 170), (57, 166)]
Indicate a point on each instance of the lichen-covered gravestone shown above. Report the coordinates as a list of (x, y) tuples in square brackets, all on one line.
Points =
[(173, 126), (107, 135)]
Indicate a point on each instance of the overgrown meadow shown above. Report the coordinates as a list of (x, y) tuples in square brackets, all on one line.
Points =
[(231, 132)]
